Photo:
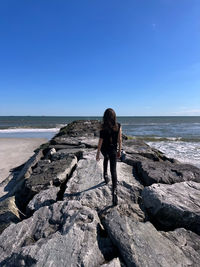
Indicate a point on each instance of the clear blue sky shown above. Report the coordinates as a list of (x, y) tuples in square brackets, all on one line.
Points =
[(78, 57)]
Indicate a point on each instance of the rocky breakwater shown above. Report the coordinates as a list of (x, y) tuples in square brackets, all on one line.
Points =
[(63, 213)]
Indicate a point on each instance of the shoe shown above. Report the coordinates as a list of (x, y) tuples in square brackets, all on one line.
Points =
[(106, 178)]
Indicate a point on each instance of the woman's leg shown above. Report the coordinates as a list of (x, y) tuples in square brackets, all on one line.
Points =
[(113, 170), (105, 166)]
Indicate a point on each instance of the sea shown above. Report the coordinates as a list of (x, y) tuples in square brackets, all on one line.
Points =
[(176, 137)]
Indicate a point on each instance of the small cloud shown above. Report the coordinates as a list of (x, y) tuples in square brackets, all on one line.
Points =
[(153, 26)]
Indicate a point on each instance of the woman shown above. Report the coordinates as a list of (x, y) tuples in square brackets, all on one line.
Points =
[(110, 138)]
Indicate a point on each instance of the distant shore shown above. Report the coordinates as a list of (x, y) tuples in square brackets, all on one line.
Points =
[(14, 152)]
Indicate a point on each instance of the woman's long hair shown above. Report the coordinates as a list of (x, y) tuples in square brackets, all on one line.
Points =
[(109, 120)]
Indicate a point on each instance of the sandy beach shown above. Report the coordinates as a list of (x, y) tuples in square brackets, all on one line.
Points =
[(14, 152)]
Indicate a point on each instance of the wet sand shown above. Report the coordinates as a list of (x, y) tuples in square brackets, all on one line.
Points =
[(14, 152)]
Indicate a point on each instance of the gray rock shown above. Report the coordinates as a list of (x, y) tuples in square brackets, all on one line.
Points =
[(58, 235), (133, 159), (165, 172), (25, 172), (87, 186), (136, 146), (8, 213), (59, 147), (27, 169), (141, 170), (42, 164), (43, 198), (70, 141), (140, 148), (55, 172), (88, 174), (174, 206), (113, 263), (90, 154), (64, 153), (188, 242), (140, 244), (80, 128), (89, 142), (78, 142)]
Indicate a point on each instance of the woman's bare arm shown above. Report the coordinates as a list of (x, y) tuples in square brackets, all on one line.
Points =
[(119, 142), (99, 148)]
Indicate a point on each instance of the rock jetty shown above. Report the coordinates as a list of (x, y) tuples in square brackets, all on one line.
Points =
[(60, 213)]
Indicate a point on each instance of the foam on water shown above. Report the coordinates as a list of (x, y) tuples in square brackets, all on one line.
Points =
[(28, 130), (185, 152), (29, 133)]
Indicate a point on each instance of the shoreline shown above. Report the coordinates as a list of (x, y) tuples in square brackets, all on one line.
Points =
[(15, 152)]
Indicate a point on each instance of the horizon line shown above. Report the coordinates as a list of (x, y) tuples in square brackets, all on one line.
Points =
[(93, 116)]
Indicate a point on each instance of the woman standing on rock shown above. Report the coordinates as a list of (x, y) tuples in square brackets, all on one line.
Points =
[(110, 137)]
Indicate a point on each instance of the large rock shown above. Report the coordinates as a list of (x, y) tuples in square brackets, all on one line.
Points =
[(25, 172), (47, 174), (135, 146), (67, 141), (8, 213), (188, 242), (64, 153), (78, 142), (165, 172), (58, 235), (81, 128), (140, 148), (43, 198), (140, 244), (89, 142), (173, 206), (87, 186), (27, 169)]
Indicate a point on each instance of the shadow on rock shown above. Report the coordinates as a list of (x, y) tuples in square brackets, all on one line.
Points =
[(86, 190), (18, 260), (10, 181), (105, 245)]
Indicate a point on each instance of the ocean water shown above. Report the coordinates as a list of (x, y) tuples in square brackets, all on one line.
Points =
[(177, 137)]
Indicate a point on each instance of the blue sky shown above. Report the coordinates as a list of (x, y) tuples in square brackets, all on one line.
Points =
[(78, 57)]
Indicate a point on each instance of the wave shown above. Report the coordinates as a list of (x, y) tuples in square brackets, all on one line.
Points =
[(185, 152), (159, 138), (29, 130), (35, 126), (145, 124), (59, 126)]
